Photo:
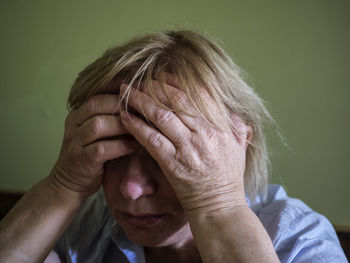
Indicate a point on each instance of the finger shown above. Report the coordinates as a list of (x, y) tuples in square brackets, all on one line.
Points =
[(172, 96), (166, 93), (99, 127), (101, 104), (159, 146), (166, 121), (102, 151), (192, 117)]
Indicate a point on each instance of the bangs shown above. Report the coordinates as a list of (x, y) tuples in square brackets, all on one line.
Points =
[(198, 67)]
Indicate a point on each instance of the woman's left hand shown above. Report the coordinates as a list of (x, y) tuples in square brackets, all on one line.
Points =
[(204, 165)]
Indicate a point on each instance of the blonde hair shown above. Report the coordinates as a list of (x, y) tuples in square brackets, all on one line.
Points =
[(196, 62)]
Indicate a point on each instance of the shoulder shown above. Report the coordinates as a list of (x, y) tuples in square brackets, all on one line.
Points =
[(88, 236), (298, 233)]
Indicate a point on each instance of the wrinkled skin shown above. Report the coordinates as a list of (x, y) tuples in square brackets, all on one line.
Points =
[(182, 165), (85, 147)]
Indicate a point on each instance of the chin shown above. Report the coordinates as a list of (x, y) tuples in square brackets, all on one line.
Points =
[(160, 235)]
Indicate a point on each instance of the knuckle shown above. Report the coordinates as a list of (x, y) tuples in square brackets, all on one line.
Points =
[(179, 98), (182, 140), (137, 124), (95, 126), (97, 152), (154, 139), (163, 116), (91, 104), (179, 140)]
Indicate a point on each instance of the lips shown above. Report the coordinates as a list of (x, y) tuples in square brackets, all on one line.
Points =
[(143, 220)]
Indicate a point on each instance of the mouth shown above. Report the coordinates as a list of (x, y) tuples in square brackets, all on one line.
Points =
[(143, 220)]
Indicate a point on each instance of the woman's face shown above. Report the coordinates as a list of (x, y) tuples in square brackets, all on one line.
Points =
[(142, 201)]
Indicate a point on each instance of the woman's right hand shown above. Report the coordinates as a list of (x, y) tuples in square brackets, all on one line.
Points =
[(93, 135)]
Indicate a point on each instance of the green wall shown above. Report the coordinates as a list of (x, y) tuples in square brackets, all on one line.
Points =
[(297, 54)]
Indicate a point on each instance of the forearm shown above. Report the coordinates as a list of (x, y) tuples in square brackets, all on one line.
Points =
[(32, 227), (231, 235)]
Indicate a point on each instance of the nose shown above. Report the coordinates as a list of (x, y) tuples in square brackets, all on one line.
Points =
[(137, 182)]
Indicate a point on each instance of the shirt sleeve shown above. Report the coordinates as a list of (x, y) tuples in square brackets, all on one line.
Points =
[(310, 238), (298, 233)]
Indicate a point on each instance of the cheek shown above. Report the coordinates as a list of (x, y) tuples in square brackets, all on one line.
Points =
[(111, 182)]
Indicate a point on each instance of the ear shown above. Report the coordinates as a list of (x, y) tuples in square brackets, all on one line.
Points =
[(242, 132)]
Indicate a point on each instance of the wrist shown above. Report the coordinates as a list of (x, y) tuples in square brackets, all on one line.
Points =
[(64, 181), (212, 201), (235, 232), (63, 194), (222, 213)]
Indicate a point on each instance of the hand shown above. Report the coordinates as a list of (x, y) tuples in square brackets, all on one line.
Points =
[(89, 141), (203, 164)]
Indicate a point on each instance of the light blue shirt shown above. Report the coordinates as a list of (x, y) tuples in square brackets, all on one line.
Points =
[(298, 233)]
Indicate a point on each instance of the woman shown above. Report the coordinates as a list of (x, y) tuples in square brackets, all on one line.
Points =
[(173, 133)]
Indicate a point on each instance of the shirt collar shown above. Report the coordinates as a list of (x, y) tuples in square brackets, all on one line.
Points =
[(133, 252)]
